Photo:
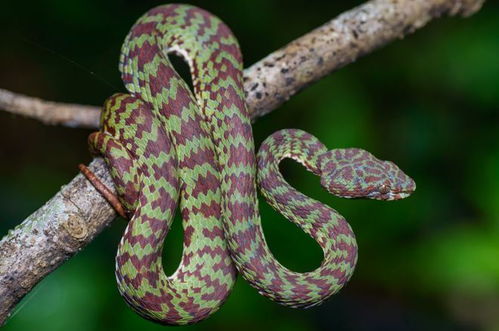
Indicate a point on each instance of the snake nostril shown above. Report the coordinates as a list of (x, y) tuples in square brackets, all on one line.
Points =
[(384, 189)]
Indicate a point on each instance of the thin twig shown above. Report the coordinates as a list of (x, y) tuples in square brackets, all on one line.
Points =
[(50, 112), (75, 215)]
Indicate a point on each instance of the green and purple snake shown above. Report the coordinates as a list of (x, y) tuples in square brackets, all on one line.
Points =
[(164, 144)]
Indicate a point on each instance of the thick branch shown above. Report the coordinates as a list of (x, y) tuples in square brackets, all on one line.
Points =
[(75, 215), (51, 235), (274, 79)]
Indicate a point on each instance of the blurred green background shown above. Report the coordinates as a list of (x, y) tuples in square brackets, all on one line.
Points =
[(429, 102)]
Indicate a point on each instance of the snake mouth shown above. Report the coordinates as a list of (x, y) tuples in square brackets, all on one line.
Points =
[(391, 195), (394, 195), (399, 195)]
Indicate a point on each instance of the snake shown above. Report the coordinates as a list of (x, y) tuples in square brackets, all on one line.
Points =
[(167, 143)]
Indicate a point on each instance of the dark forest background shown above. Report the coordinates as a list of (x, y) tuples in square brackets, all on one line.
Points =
[(429, 102)]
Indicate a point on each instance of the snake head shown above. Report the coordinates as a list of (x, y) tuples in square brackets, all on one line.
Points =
[(356, 173)]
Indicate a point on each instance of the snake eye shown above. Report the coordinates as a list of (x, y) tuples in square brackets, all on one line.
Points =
[(384, 189)]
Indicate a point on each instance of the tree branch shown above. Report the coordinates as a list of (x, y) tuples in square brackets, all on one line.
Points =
[(50, 112), (274, 79), (75, 215)]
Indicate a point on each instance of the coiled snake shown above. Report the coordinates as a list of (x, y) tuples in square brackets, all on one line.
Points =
[(165, 144)]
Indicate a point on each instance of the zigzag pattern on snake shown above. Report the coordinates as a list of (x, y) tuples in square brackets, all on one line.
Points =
[(164, 144)]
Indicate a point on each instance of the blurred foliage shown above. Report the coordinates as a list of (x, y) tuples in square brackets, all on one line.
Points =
[(429, 102)]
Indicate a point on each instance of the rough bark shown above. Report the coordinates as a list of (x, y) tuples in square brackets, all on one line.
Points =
[(75, 215), (51, 235), (283, 73)]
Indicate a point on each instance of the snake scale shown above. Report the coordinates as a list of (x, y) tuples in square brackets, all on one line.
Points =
[(165, 144)]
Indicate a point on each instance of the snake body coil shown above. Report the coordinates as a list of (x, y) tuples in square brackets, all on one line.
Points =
[(164, 143)]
